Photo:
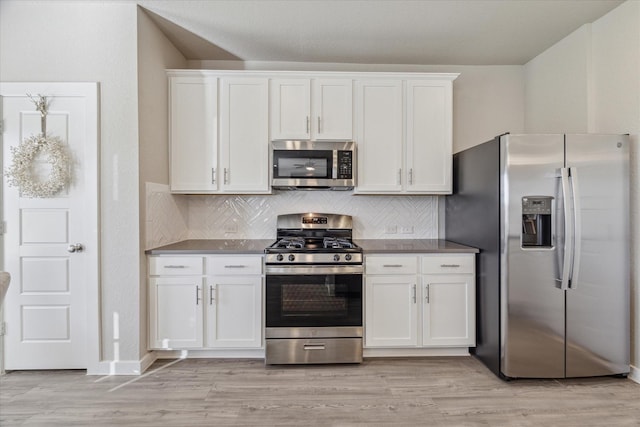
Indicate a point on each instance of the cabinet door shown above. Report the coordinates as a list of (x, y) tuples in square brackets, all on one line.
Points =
[(429, 136), (193, 120), (448, 310), (391, 311), (234, 312), (290, 109), (244, 135), (379, 136), (332, 109), (175, 312)]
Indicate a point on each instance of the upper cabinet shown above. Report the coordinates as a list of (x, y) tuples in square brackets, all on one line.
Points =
[(244, 135), (193, 133), (221, 122), (309, 108), (404, 135)]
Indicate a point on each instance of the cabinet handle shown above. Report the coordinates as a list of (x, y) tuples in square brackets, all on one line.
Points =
[(226, 174), (212, 291), (392, 265), (400, 176), (319, 346), (411, 176), (307, 124), (175, 266), (414, 294), (450, 265), (319, 131), (235, 266), (213, 175), (427, 292), (197, 295)]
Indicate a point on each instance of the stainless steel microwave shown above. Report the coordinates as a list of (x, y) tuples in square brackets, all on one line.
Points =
[(313, 165)]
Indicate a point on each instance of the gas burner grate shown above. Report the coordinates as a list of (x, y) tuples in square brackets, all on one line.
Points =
[(336, 243)]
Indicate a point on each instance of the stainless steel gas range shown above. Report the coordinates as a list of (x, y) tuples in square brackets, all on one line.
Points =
[(313, 291)]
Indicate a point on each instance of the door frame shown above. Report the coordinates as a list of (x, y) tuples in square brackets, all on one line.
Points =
[(90, 92)]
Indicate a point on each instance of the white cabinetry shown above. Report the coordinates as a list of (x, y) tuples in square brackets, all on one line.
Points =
[(234, 305), (230, 158), (318, 108), (448, 300), (244, 135), (404, 135), (175, 302), (419, 301), (212, 302), (193, 132)]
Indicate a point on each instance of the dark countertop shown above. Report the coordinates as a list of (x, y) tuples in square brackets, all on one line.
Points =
[(389, 246), (256, 246), (207, 246)]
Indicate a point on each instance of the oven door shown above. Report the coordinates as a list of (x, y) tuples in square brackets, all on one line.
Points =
[(314, 297)]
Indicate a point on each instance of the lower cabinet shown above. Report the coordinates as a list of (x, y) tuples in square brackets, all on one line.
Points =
[(198, 302), (420, 301)]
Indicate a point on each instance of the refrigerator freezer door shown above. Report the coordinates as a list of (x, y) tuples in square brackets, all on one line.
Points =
[(598, 296), (532, 307)]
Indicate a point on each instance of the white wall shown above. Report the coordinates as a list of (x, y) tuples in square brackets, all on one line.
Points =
[(43, 41), (155, 55), (596, 73)]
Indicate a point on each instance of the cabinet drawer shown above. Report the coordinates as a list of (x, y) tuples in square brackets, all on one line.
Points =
[(234, 265), (175, 266), (391, 265), (445, 264)]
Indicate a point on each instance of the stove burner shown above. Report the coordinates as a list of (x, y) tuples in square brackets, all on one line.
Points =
[(336, 243), (291, 243)]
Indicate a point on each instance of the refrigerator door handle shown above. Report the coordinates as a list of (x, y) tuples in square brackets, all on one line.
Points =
[(568, 232), (577, 229)]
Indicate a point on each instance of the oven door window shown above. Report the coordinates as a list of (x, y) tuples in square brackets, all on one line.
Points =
[(302, 164), (314, 300)]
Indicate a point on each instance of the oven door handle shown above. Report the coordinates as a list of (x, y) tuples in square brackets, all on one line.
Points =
[(314, 269)]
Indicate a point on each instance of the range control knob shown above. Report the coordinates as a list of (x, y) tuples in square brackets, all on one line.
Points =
[(347, 257), (336, 257), (280, 257), (292, 258)]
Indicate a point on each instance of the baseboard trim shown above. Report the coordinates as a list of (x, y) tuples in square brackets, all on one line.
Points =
[(634, 374), (123, 367)]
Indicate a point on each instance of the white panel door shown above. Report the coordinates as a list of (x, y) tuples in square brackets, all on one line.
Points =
[(234, 312), (193, 120), (379, 136), (448, 309), (290, 108), (391, 311), (429, 137), (52, 299), (332, 109), (244, 135)]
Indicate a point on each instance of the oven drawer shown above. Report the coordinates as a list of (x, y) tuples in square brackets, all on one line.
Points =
[(391, 265), (448, 264), (234, 265), (308, 351), (175, 266)]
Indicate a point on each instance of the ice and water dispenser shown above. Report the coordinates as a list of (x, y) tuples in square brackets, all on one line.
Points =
[(536, 221)]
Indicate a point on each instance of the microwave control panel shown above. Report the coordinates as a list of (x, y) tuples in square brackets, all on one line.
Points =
[(345, 164)]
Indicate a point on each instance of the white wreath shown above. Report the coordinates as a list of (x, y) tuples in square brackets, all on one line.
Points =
[(21, 173)]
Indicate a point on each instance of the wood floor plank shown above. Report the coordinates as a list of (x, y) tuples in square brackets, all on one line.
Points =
[(438, 391)]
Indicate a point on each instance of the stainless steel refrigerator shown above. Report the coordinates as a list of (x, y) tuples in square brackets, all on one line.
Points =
[(550, 215)]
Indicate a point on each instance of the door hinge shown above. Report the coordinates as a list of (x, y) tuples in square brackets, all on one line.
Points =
[(1, 126), (3, 329), (3, 227)]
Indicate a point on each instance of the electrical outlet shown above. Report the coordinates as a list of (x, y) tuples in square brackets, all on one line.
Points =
[(406, 229), (391, 229)]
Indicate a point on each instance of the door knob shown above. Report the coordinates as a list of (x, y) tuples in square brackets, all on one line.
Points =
[(78, 247)]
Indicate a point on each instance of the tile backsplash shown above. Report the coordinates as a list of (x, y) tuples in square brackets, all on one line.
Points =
[(171, 217)]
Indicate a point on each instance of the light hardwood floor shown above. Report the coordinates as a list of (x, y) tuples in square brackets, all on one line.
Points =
[(439, 391)]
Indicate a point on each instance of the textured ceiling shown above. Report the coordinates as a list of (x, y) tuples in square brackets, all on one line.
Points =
[(429, 32)]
